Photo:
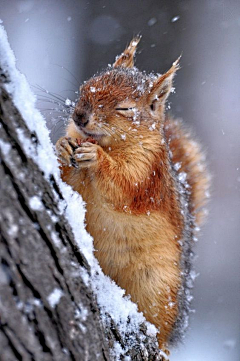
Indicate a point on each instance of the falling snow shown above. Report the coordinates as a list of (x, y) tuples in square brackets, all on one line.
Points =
[(152, 21), (176, 18)]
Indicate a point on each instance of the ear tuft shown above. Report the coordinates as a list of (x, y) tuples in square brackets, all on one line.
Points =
[(176, 63), (126, 59), (162, 87)]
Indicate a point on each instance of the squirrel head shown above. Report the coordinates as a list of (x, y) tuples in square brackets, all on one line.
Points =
[(121, 100)]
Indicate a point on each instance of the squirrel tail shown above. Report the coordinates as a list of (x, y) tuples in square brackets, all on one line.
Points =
[(188, 157)]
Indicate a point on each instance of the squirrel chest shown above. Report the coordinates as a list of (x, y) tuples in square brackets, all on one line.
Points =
[(126, 159)]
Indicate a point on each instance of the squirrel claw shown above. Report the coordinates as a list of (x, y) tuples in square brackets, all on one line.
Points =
[(64, 150), (86, 155)]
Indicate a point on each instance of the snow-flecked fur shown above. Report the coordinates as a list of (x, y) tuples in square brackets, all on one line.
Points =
[(141, 205)]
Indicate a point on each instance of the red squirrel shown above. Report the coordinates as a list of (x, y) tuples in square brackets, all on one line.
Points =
[(144, 181)]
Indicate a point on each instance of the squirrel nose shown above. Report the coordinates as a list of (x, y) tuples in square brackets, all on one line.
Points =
[(80, 119)]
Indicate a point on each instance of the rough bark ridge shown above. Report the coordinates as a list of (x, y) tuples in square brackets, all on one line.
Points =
[(38, 255)]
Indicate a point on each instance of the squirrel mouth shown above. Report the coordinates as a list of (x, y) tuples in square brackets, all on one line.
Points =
[(90, 134)]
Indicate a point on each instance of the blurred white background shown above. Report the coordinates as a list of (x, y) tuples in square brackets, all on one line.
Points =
[(54, 38)]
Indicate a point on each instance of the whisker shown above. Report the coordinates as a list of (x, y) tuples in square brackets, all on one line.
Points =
[(105, 130), (119, 131), (57, 108), (56, 96), (58, 99), (61, 106), (55, 127), (70, 90), (116, 132), (69, 81), (60, 66), (50, 94), (45, 110), (48, 100)]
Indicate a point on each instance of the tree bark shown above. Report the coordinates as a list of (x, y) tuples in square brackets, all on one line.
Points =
[(47, 310)]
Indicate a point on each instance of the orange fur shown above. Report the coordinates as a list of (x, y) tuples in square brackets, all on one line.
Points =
[(133, 203)]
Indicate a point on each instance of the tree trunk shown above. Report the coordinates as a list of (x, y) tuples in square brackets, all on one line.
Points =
[(47, 310)]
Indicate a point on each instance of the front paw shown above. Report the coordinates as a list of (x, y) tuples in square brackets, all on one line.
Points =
[(65, 147), (87, 155)]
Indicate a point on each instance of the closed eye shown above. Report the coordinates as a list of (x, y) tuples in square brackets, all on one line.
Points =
[(124, 109)]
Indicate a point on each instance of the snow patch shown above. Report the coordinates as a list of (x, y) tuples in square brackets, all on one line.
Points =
[(182, 177), (13, 230), (177, 166), (54, 297), (5, 147), (36, 203), (68, 102), (56, 239)]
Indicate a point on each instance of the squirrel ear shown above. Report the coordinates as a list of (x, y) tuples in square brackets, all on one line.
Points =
[(162, 87), (126, 59)]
